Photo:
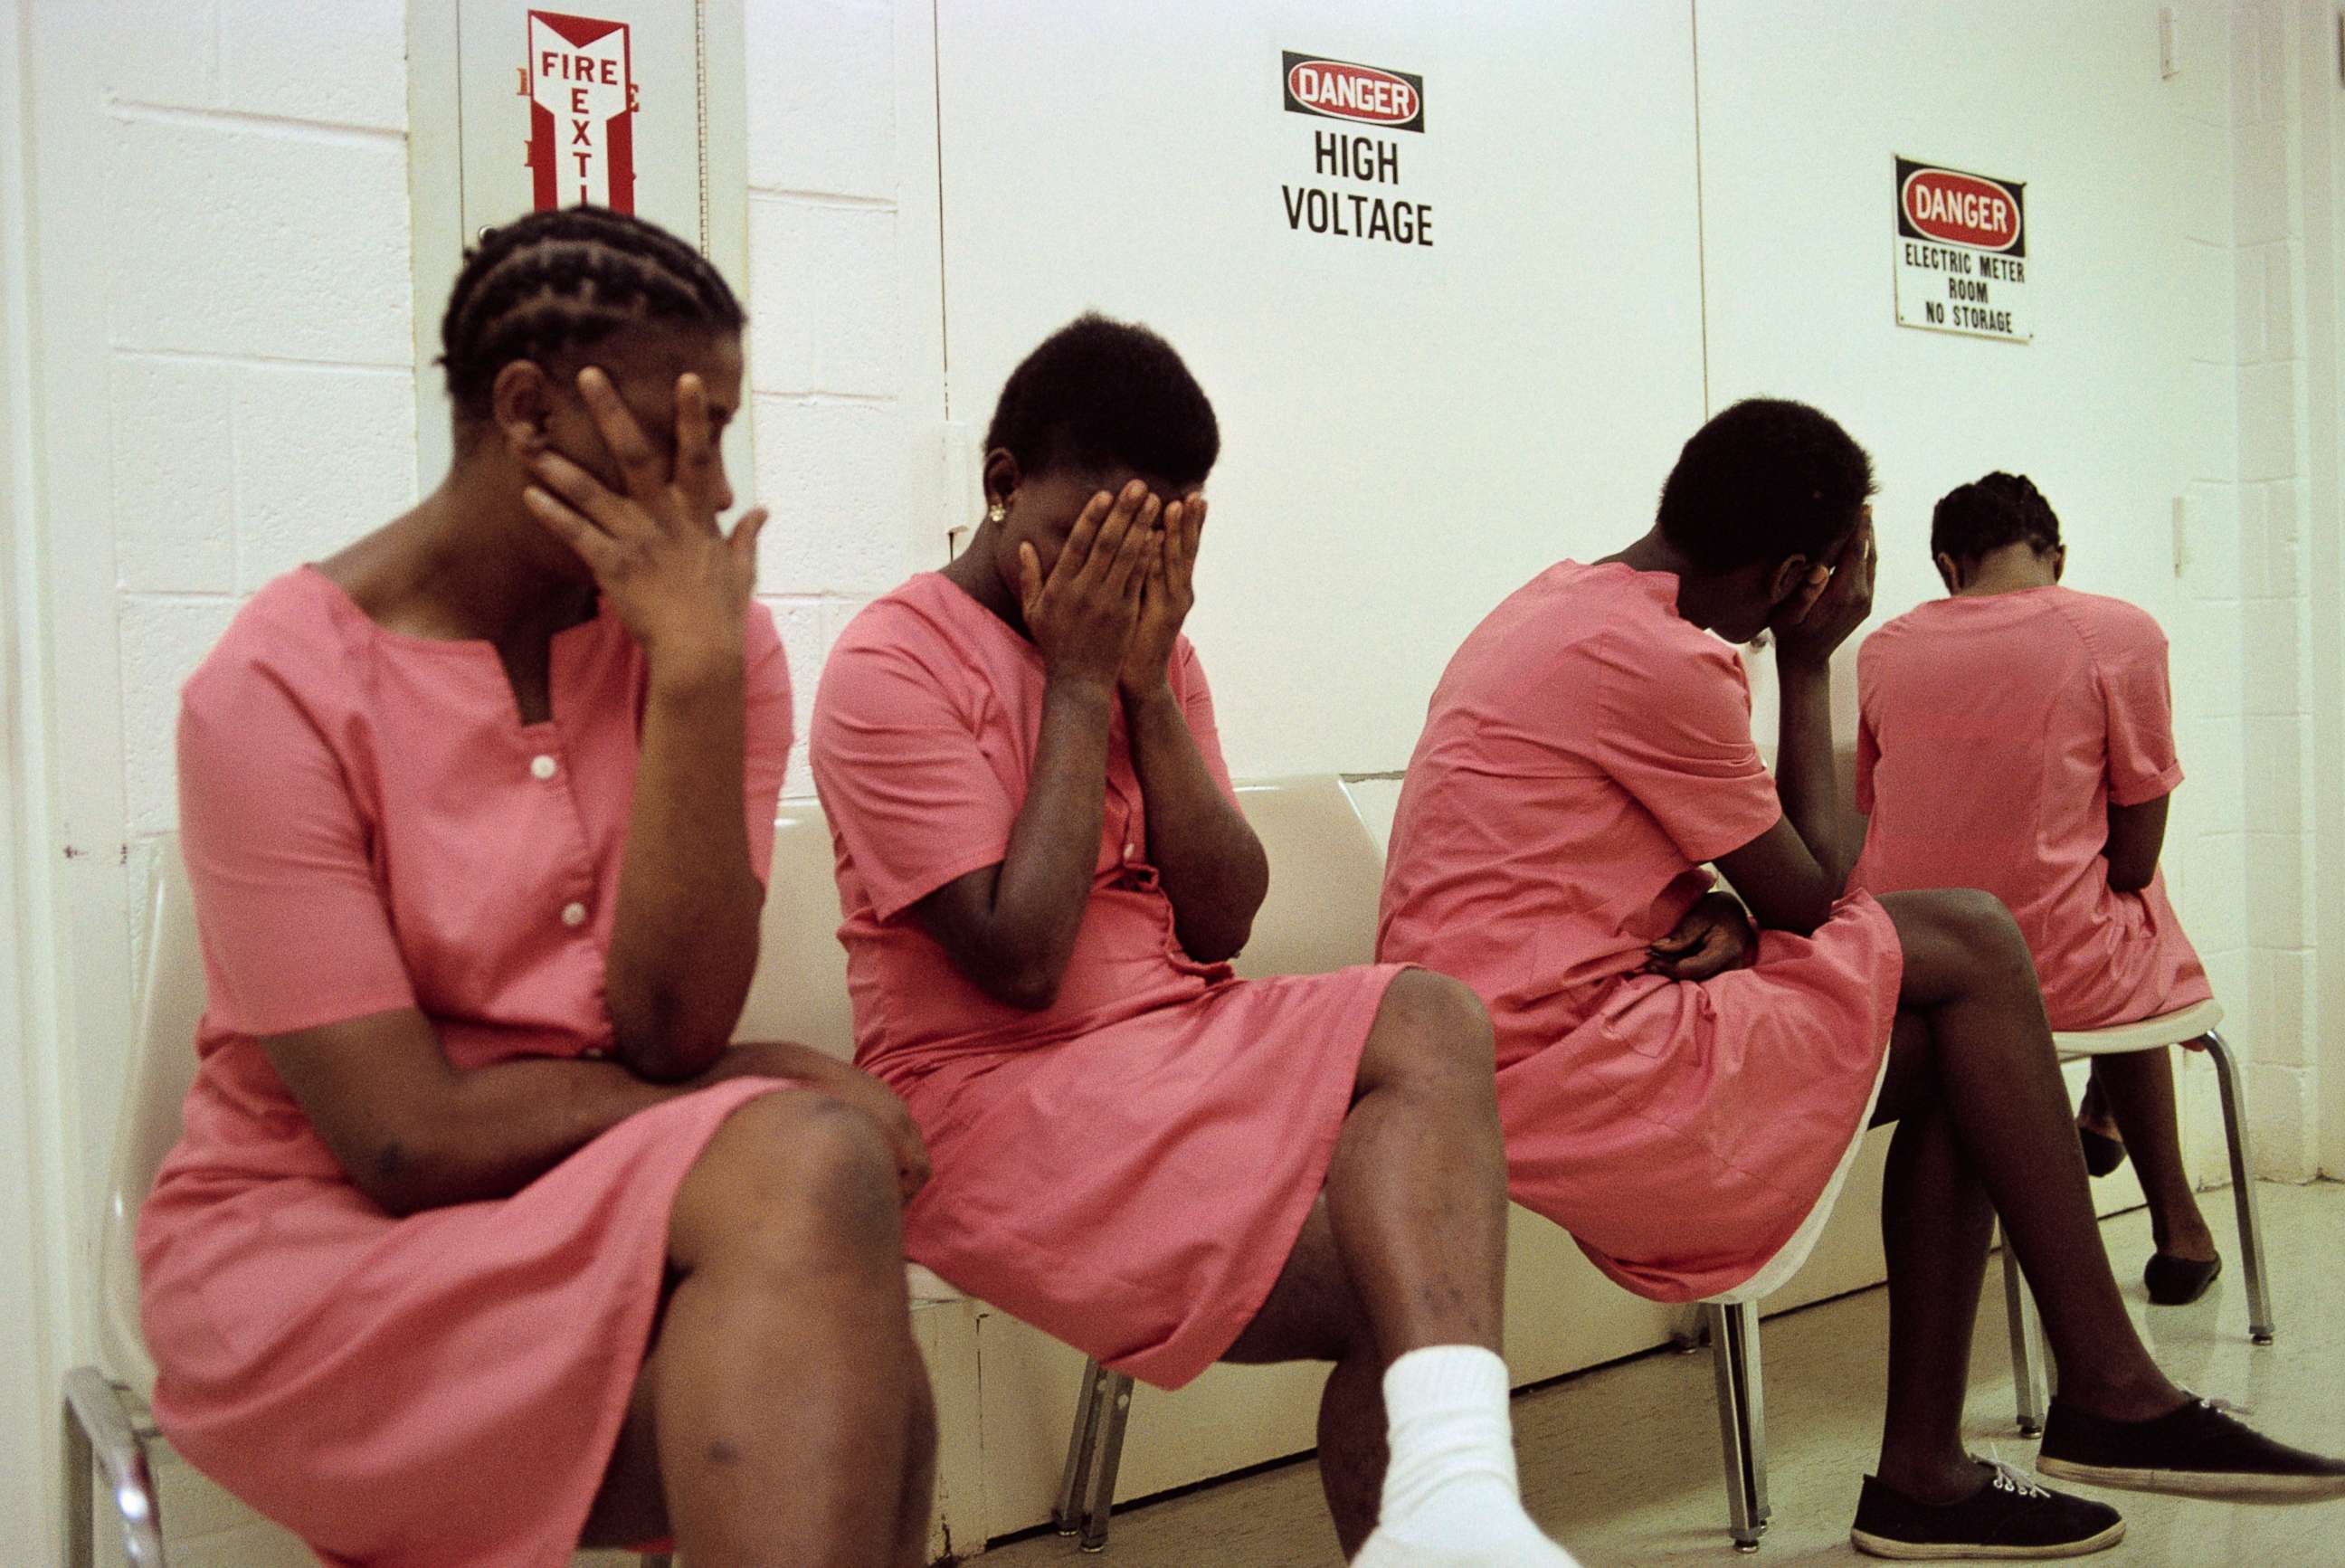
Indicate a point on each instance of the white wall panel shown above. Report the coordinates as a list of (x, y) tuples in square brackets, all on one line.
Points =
[(1408, 432), (1801, 116)]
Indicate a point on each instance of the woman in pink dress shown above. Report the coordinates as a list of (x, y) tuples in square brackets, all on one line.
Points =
[(480, 1241), (1686, 1106), (2017, 736), (1043, 871)]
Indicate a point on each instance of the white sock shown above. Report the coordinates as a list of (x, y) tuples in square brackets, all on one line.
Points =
[(1450, 1497)]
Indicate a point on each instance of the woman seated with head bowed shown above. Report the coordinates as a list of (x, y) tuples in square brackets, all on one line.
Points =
[(2017, 736), (1043, 871), (480, 1240), (1687, 1103)]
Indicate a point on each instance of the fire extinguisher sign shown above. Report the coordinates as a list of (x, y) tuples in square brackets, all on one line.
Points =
[(581, 86)]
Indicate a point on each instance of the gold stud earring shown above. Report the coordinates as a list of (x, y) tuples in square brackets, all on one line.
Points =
[(996, 513)]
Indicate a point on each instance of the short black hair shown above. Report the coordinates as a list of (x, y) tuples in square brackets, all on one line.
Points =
[(1101, 394), (562, 281), (1763, 481), (1990, 512)]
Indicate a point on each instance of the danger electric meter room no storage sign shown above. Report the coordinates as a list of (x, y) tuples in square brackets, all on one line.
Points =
[(1961, 253)]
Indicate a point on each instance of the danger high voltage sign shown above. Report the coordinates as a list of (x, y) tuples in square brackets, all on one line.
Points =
[(1962, 252)]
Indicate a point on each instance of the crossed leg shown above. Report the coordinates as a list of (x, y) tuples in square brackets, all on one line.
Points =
[(1984, 1129), (783, 1409)]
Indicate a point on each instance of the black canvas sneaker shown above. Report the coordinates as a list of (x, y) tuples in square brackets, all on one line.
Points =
[(2199, 1450), (2010, 1517)]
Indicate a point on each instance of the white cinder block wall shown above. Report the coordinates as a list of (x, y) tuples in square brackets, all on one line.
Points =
[(218, 271)]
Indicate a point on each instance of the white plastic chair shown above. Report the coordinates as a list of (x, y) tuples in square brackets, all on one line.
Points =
[(1326, 876), (800, 989), (2030, 1366), (109, 1429)]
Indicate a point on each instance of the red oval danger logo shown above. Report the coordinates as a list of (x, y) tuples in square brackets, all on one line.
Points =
[(1961, 208), (1351, 92)]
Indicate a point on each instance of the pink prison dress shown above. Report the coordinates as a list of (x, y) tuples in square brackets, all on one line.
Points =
[(1585, 751), (1996, 732), (1127, 1169), (368, 825)]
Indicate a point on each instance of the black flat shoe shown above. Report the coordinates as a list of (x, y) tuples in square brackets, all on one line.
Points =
[(2009, 1516), (2103, 1153), (2198, 1451), (2179, 1281)]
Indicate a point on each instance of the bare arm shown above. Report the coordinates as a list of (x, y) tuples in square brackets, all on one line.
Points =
[(1011, 928), (1806, 775), (1211, 864), (414, 1132), (683, 946), (1792, 875), (684, 941), (2136, 839)]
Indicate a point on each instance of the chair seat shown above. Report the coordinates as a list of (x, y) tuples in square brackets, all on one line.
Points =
[(2148, 1034), (927, 1286)]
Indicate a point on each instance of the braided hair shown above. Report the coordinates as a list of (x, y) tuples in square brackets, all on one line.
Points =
[(1988, 513), (554, 282)]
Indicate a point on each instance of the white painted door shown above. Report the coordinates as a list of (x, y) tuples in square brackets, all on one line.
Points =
[(1409, 430)]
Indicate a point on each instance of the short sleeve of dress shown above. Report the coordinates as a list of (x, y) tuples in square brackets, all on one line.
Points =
[(765, 751), (903, 779), (296, 934), (1674, 730), (1197, 708), (2129, 657)]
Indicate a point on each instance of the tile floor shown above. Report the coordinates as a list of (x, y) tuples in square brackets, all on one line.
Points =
[(1622, 1464)]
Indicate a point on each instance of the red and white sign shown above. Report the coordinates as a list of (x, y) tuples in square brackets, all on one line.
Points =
[(1961, 208), (581, 86), (1347, 90), (1962, 252)]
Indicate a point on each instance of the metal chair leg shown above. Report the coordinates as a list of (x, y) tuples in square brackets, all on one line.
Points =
[(1095, 1454), (2028, 1362), (2232, 1085), (1076, 1477), (81, 1475), (1741, 1419), (102, 1436)]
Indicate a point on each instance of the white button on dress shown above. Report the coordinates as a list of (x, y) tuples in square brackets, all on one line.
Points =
[(544, 767), (574, 915)]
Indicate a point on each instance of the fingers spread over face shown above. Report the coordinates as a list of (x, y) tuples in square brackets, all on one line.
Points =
[(1140, 540), (570, 526), (1029, 576), (639, 461), (695, 448), (744, 540), (584, 493), (1108, 547), (1077, 552)]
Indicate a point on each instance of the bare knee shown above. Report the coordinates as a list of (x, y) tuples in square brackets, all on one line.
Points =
[(1960, 942), (789, 1172), (1429, 1023)]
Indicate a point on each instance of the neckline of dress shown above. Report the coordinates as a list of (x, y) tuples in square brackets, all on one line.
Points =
[(976, 607), (346, 608)]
